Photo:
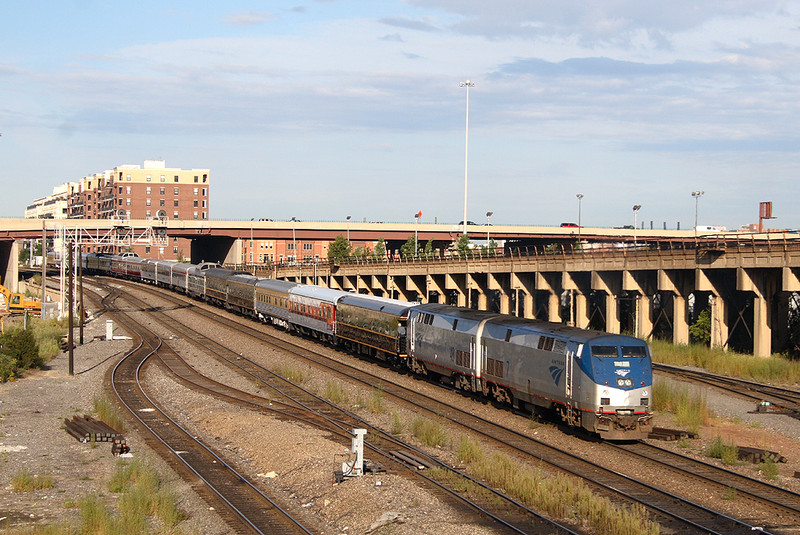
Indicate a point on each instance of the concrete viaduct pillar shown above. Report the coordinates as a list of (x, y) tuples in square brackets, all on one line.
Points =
[(679, 283), (580, 284), (551, 283), (644, 283), (526, 283), (459, 284), (436, 283), (502, 283), (765, 284), (609, 282), (708, 281), (477, 282)]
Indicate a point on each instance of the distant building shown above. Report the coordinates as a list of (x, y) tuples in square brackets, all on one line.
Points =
[(55, 206), (152, 191)]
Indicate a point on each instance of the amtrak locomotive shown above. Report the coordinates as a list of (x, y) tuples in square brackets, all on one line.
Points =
[(598, 381)]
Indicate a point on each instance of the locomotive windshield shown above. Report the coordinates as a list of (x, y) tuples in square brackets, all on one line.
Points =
[(634, 351), (605, 351)]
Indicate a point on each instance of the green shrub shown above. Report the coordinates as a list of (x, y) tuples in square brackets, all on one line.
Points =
[(334, 392), (769, 469), (8, 368), (727, 453), (48, 335), (397, 424)]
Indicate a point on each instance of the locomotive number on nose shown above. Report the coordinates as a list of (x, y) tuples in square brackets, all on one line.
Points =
[(622, 364)]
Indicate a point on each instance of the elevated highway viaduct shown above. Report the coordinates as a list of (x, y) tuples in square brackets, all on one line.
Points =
[(642, 281)]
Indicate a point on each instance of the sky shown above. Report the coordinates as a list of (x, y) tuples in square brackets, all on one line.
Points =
[(320, 109)]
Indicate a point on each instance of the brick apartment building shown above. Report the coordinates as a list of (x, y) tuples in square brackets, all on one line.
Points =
[(151, 191)]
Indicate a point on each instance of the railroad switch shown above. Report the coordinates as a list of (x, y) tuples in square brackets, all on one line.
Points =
[(354, 465)]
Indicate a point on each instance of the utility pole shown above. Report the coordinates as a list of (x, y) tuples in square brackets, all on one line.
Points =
[(70, 301)]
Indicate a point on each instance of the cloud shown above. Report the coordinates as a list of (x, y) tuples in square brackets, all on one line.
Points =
[(411, 24), (396, 37), (623, 22), (248, 18)]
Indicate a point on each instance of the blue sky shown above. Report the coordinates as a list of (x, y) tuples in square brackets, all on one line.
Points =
[(323, 109)]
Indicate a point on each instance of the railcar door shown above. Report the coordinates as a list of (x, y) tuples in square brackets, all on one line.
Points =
[(568, 373)]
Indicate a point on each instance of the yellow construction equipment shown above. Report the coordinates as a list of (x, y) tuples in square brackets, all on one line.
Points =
[(18, 303)]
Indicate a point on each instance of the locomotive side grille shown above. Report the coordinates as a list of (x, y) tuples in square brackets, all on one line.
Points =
[(605, 401), (644, 401)]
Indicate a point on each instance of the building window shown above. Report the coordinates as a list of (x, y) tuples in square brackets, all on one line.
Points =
[(147, 214), (120, 202), (175, 250), (147, 202), (163, 178), (128, 178), (205, 192), (127, 202), (163, 190), (175, 192), (204, 203), (308, 246), (148, 178), (147, 249), (176, 178), (195, 215), (120, 190), (290, 246), (205, 179), (175, 203), (174, 215), (161, 202), (195, 191), (127, 190), (204, 215), (195, 204), (148, 190), (195, 179)]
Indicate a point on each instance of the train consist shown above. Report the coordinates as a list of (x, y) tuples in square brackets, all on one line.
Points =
[(598, 381)]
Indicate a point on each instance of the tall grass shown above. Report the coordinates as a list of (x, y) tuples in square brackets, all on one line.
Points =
[(430, 433), (335, 393), (24, 481), (557, 495), (771, 369), (728, 452), (107, 411), (293, 374), (690, 409), (48, 335)]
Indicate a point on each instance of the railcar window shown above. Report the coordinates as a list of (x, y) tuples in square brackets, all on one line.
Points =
[(546, 343), (455, 324), (605, 351), (634, 351)]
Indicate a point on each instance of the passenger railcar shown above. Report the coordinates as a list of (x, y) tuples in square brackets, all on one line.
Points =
[(272, 301), (373, 326), (241, 293), (164, 273), (147, 270), (312, 310)]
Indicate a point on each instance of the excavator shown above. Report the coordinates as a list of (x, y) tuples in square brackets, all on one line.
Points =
[(17, 303)]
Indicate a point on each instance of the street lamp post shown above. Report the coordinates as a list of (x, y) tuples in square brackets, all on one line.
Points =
[(416, 218), (488, 228), (294, 238), (636, 208), (580, 198), (466, 84), (696, 195), (348, 230)]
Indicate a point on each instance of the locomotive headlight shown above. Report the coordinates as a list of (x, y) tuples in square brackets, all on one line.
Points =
[(624, 383)]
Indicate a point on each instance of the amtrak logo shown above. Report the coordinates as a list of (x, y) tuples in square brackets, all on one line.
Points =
[(556, 372), (622, 373)]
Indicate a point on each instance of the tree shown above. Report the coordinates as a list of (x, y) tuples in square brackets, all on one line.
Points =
[(462, 245), (407, 249), (340, 249), (429, 249), (380, 249), (700, 330)]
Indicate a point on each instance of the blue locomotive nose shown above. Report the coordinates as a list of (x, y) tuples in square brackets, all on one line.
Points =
[(623, 366)]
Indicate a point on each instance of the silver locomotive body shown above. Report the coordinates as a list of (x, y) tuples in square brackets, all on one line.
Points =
[(595, 380)]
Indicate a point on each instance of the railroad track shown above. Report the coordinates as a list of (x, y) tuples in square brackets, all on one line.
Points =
[(298, 403), (242, 505), (672, 512), (769, 398)]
